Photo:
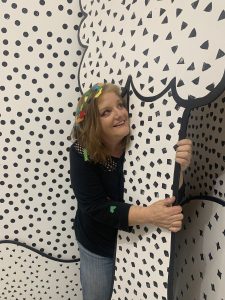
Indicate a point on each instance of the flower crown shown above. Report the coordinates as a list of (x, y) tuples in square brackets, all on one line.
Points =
[(88, 96)]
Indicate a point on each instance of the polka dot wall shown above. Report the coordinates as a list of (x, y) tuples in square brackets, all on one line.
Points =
[(146, 46), (206, 128), (50, 52), (199, 262), (40, 57), (199, 259), (26, 275), (143, 255), (149, 40)]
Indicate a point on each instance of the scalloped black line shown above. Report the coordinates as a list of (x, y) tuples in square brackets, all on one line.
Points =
[(39, 252), (186, 103), (82, 45)]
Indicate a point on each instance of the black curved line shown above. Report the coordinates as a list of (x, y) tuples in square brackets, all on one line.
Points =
[(201, 101), (170, 289), (186, 103), (204, 197), (81, 44), (39, 252), (150, 98), (84, 17), (181, 135), (175, 188), (170, 279)]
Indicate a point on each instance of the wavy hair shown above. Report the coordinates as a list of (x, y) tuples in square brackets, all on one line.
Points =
[(88, 132)]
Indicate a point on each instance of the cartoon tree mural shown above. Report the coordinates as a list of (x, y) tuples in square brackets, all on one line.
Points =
[(171, 59)]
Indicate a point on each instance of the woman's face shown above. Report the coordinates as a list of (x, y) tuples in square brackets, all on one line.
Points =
[(113, 118)]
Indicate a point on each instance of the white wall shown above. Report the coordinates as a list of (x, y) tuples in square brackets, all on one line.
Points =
[(148, 43), (40, 57)]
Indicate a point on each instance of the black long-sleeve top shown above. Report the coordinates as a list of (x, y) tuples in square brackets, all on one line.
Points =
[(101, 210)]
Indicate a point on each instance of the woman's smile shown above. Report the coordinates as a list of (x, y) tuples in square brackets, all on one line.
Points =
[(120, 124), (113, 118)]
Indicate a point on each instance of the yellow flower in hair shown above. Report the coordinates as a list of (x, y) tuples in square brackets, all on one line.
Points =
[(80, 113), (98, 93)]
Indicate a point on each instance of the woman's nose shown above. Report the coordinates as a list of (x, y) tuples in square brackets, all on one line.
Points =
[(118, 112)]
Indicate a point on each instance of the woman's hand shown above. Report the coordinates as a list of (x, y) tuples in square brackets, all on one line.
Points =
[(184, 153), (161, 214)]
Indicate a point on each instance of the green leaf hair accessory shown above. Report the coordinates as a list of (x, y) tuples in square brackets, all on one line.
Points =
[(93, 93)]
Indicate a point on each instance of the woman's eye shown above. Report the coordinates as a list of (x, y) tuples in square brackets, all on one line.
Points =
[(121, 105), (105, 113)]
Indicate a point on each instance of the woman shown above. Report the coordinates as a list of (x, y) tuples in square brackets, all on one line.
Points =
[(100, 135)]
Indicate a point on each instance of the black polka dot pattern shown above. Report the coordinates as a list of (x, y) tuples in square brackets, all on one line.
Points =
[(40, 56), (199, 260), (199, 263), (146, 46), (27, 275), (206, 173), (40, 60), (40, 63), (143, 256), (110, 165)]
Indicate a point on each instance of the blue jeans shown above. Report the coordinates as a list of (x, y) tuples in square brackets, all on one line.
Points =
[(96, 275)]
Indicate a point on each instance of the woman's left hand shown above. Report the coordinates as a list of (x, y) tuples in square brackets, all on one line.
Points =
[(184, 153)]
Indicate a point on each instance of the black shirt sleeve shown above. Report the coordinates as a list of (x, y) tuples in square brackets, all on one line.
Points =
[(91, 196)]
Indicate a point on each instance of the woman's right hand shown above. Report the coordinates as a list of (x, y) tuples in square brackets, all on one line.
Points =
[(163, 214)]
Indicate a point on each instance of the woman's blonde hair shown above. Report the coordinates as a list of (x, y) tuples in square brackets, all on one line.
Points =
[(88, 132)]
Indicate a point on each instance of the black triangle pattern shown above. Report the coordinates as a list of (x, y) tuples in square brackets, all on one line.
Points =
[(178, 12), (193, 33), (149, 16), (174, 49), (183, 25), (208, 7), (210, 87), (220, 54), (205, 45), (165, 20), (153, 35), (205, 66), (195, 4), (145, 52), (196, 81), (222, 16), (162, 10), (169, 36), (191, 67)]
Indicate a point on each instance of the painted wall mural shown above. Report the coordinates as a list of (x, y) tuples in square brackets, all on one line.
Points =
[(40, 56), (170, 58), (199, 259)]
